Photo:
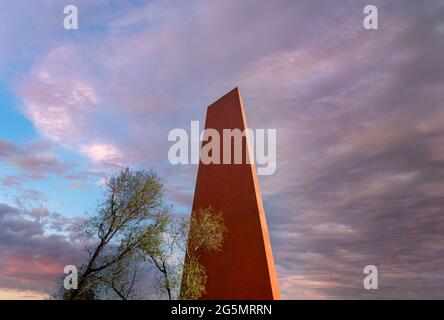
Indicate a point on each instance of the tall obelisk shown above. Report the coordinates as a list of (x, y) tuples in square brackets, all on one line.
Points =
[(244, 268)]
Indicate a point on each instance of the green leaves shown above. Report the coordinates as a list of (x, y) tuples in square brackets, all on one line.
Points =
[(130, 221), (206, 233)]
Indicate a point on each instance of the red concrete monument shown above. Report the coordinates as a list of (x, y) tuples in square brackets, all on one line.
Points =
[(244, 268)]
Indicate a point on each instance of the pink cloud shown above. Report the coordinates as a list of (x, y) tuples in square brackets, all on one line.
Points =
[(56, 100), (102, 152)]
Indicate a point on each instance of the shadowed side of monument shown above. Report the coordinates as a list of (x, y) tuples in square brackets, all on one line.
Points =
[(244, 268)]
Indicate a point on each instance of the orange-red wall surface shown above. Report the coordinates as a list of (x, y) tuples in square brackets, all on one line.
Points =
[(244, 269)]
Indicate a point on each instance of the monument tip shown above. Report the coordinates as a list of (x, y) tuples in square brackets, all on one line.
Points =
[(234, 91)]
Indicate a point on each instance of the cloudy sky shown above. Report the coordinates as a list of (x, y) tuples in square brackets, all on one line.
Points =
[(359, 117)]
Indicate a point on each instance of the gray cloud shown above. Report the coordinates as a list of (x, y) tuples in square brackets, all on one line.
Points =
[(360, 178), (35, 160), (35, 245)]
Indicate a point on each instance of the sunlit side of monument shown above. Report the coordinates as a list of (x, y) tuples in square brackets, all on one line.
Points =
[(244, 268)]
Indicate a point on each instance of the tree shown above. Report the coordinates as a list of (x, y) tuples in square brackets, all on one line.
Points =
[(132, 225), (120, 278), (184, 277), (132, 216), (206, 231), (166, 261)]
